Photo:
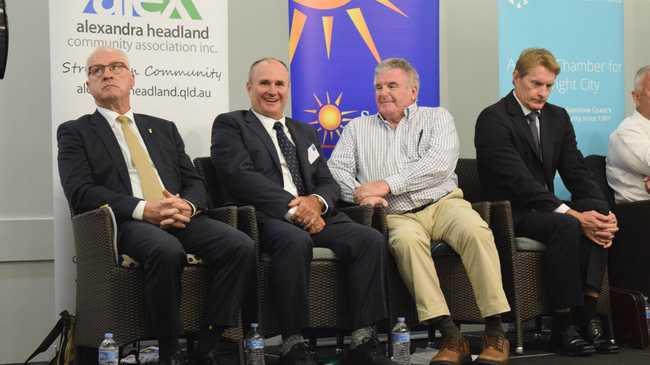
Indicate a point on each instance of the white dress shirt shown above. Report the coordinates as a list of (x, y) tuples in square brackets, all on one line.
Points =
[(628, 159), (287, 180)]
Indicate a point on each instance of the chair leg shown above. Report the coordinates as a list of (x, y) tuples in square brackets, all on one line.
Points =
[(339, 343), (519, 332), (240, 352)]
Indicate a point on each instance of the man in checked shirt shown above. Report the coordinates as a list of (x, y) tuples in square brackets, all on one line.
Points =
[(403, 158)]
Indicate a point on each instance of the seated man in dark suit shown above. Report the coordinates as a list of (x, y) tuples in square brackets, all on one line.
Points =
[(137, 165), (275, 164), (521, 142)]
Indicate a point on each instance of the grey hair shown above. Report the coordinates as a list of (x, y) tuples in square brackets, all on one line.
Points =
[(103, 49), (640, 75), (402, 64)]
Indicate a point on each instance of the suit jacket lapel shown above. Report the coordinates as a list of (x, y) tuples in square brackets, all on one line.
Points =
[(257, 127), (302, 145), (521, 123), (103, 130)]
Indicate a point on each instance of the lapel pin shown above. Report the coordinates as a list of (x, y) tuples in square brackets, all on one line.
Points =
[(150, 131)]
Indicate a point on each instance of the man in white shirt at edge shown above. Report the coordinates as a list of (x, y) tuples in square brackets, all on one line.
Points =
[(628, 160)]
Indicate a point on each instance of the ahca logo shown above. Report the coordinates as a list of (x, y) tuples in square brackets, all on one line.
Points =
[(169, 9), (518, 3)]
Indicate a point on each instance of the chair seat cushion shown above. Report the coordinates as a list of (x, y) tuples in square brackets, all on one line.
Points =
[(128, 262), (322, 253), (529, 244)]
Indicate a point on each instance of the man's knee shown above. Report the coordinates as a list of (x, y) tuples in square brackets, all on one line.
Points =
[(297, 244), (169, 252)]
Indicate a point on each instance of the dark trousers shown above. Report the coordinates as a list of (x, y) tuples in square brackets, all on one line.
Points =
[(573, 264), (363, 249), (229, 255)]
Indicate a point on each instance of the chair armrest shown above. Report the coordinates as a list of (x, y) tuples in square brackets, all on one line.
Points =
[(502, 227), (226, 214), (95, 236), (361, 214)]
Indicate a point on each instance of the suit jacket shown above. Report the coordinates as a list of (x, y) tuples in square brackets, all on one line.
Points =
[(247, 162), (93, 171), (510, 167)]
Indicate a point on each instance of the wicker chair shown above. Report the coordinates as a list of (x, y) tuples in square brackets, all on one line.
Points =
[(110, 295), (629, 255), (327, 284)]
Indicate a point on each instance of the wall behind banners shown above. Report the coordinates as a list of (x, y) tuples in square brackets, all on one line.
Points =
[(590, 53), (178, 53), (468, 82), (332, 65)]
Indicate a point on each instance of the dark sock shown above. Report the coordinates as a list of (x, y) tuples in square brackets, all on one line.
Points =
[(209, 339), (493, 326), (585, 313), (167, 347), (561, 320), (446, 326)]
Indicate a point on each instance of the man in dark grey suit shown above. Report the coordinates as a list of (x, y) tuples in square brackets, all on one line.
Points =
[(275, 164), (137, 165), (521, 143)]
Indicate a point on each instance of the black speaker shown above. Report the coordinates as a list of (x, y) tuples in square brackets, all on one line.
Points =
[(4, 39)]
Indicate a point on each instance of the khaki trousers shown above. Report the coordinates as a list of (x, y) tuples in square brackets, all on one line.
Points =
[(450, 219)]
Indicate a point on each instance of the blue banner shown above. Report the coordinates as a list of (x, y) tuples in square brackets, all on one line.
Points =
[(335, 45), (586, 37)]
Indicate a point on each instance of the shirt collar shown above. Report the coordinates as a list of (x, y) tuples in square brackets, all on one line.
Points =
[(409, 112), (640, 116), (268, 122), (111, 116)]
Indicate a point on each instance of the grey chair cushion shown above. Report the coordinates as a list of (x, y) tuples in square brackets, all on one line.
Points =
[(529, 244), (322, 253), (440, 248)]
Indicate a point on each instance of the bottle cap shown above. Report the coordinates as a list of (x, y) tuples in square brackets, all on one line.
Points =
[(401, 319), (254, 325), (108, 335)]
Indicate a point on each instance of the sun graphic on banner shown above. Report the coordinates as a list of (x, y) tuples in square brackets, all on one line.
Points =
[(355, 14), (330, 118)]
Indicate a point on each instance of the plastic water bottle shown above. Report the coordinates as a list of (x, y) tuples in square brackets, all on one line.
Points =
[(401, 342), (647, 313), (254, 347), (108, 351)]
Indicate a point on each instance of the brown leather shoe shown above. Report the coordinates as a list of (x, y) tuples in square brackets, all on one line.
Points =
[(454, 351), (496, 351)]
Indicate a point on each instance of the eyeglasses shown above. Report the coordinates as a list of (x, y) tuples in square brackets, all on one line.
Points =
[(115, 67)]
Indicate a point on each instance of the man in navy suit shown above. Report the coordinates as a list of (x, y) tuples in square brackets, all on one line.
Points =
[(521, 142), (275, 164), (137, 165)]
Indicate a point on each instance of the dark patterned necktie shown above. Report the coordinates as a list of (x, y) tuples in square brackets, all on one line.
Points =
[(290, 155), (533, 121)]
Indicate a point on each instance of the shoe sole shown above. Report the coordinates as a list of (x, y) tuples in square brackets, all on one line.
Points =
[(464, 361)]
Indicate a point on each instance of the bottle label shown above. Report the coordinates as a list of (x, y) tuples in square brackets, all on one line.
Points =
[(108, 357), (401, 337), (255, 344)]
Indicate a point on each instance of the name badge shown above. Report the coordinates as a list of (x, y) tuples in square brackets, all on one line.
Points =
[(312, 154)]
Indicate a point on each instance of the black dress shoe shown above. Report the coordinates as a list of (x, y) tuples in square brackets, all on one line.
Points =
[(593, 333), (569, 342), (176, 359), (298, 355), (368, 353), (209, 358)]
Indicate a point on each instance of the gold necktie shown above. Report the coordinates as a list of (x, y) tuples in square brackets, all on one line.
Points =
[(151, 187)]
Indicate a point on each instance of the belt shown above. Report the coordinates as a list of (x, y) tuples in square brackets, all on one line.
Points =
[(415, 210)]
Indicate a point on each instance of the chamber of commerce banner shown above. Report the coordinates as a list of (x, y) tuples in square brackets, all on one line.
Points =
[(179, 56), (334, 46), (586, 37)]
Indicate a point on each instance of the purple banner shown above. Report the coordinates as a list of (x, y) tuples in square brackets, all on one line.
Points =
[(335, 45)]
